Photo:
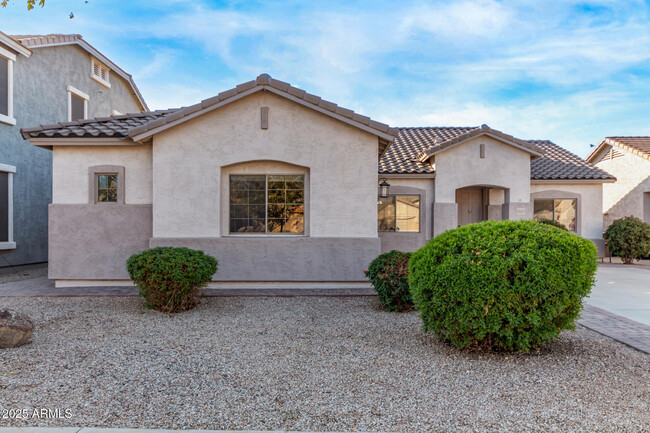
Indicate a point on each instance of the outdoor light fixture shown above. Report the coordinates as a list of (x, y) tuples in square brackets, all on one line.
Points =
[(383, 188)]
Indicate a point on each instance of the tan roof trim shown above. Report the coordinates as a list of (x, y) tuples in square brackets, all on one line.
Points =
[(48, 143), (14, 45), (612, 142), (265, 83), (38, 41), (478, 132), (571, 181)]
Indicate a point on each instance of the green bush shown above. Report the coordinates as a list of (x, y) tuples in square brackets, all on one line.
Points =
[(628, 238), (389, 273), (510, 285), (171, 279), (552, 223)]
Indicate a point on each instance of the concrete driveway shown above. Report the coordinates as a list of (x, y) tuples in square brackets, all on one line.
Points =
[(623, 290)]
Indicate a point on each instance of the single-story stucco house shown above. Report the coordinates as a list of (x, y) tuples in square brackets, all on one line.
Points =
[(627, 158), (282, 187)]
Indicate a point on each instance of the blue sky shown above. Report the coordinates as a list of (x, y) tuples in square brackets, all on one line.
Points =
[(571, 72)]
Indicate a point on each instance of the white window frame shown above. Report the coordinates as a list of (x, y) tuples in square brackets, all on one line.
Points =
[(72, 90), (10, 170), (102, 68), (11, 58)]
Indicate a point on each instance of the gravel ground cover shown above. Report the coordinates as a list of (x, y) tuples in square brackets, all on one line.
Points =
[(306, 364)]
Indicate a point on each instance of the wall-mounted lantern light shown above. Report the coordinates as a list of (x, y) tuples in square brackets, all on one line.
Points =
[(383, 188)]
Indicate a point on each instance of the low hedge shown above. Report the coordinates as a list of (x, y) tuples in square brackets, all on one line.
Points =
[(388, 273), (510, 285), (628, 238), (170, 279)]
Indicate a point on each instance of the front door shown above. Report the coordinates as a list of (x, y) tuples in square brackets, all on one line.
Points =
[(470, 205)]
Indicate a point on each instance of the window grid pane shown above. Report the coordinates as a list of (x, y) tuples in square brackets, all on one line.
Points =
[(407, 213), (560, 210), (107, 188), (266, 204), (386, 214)]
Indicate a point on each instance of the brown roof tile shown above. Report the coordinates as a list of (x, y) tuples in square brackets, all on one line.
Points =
[(402, 157), (637, 145), (560, 164)]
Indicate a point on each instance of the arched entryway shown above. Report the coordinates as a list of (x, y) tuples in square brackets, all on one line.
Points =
[(480, 203)]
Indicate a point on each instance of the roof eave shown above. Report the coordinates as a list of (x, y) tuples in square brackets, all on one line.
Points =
[(15, 45), (94, 52), (154, 127), (425, 155), (572, 181), (51, 142)]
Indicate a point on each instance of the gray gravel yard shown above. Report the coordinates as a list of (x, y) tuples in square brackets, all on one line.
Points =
[(307, 364)]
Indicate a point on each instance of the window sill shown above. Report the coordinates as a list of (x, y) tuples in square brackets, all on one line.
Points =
[(7, 245), (263, 235), (102, 82), (8, 120)]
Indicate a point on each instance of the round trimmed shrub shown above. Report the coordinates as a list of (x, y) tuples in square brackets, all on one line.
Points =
[(170, 279), (502, 285), (389, 273), (629, 239)]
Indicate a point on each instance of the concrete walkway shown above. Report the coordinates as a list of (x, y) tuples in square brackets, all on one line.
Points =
[(623, 290)]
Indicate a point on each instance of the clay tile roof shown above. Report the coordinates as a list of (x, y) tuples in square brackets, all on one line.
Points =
[(142, 125), (560, 164), (402, 157), (637, 145), (113, 126)]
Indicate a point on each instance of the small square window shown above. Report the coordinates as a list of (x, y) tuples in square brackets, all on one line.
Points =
[(107, 188)]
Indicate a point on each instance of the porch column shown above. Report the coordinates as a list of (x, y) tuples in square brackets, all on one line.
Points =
[(445, 217)]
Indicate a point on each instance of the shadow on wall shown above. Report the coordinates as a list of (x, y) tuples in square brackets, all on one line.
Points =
[(629, 205)]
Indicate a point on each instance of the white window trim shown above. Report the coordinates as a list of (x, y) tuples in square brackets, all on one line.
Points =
[(10, 244), (72, 90), (9, 117), (99, 79)]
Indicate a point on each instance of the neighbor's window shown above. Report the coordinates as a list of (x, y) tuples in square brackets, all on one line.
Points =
[(4, 86), (267, 204), (399, 213), (107, 188), (561, 210), (6, 207), (77, 104)]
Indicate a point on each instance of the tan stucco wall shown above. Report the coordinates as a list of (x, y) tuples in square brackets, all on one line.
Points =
[(625, 196), (70, 171), (503, 166), (589, 216), (187, 161)]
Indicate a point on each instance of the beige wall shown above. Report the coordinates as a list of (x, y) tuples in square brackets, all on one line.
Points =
[(188, 159), (625, 196), (70, 171), (589, 218), (503, 166)]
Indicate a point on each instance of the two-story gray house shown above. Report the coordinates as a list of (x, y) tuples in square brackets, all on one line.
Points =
[(45, 80)]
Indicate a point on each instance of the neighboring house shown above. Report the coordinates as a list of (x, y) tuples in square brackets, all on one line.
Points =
[(43, 80), (627, 158), (281, 187)]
